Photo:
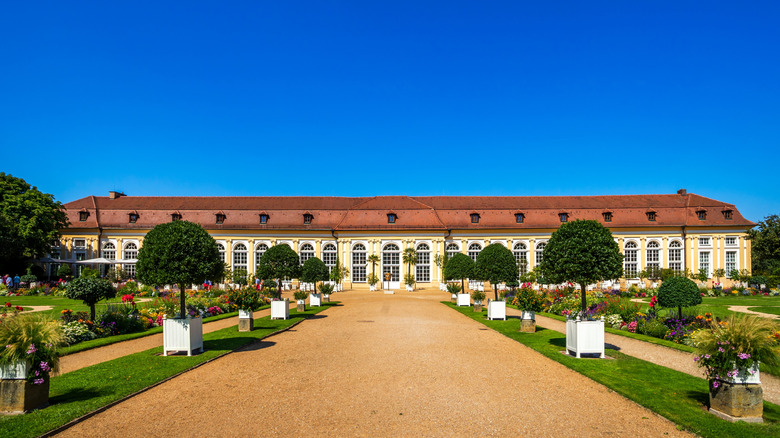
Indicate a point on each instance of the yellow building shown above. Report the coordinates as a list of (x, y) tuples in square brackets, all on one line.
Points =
[(678, 231)]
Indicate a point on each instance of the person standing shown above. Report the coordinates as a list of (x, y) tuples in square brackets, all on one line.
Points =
[(16, 281)]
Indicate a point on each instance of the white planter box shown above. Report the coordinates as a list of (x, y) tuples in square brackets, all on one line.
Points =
[(280, 309), (746, 375), (14, 371), (585, 337), (244, 314), (454, 296), (326, 297), (528, 314), (464, 299), (496, 310), (315, 300), (409, 288), (372, 287), (182, 334)]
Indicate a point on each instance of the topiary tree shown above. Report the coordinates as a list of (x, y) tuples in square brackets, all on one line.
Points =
[(279, 262), (90, 290), (584, 252), (679, 292), (496, 264), (180, 253), (410, 258), (314, 270), (460, 266)]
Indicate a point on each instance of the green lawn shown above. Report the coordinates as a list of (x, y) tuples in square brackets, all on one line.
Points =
[(672, 394), (80, 392), (718, 306), (764, 309), (59, 303)]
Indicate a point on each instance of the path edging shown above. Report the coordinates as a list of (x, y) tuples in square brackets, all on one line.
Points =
[(129, 396)]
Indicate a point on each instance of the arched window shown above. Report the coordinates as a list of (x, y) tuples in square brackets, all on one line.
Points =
[(653, 256), (221, 248), (631, 260), (452, 249), (109, 251), (540, 252), (391, 262), (474, 250), (239, 258), (675, 256), (359, 263), (423, 266), (130, 253), (329, 256), (521, 257), (260, 249), (307, 252)]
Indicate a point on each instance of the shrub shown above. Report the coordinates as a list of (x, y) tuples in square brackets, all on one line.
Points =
[(90, 290), (300, 295), (477, 296), (652, 327), (75, 332), (679, 292), (245, 298), (326, 288), (33, 339), (453, 288), (527, 299), (119, 320)]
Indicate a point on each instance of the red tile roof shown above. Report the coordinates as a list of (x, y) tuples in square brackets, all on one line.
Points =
[(413, 213)]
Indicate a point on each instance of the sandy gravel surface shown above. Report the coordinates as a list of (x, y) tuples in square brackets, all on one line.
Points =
[(658, 354), (745, 309), (380, 365)]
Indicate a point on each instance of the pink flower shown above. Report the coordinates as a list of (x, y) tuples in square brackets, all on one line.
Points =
[(37, 381), (32, 349), (715, 384)]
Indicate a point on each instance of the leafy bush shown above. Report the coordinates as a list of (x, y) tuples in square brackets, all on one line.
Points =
[(245, 298), (300, 295), (527, 299), (477, 296), (119, 320), (90, 290), (679, 292), (34, 339), (326, 288), (652, 327), (64, 271), (75, 332), (453, 288)]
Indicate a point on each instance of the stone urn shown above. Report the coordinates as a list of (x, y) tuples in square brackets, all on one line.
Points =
[(738, 398)]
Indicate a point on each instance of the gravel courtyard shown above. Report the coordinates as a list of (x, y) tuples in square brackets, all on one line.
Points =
[(380, 365)]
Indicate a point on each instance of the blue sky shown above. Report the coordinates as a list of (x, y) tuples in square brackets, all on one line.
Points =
[(358, 98)]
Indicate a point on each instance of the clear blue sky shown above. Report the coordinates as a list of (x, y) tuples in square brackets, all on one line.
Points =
[(359, 98)]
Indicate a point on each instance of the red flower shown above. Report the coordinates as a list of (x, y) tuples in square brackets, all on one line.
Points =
[(7, 304)]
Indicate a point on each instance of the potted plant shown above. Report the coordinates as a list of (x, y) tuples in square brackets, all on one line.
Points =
[(247, 299), (582, 252), (314, 270), (409, 281), (30, 353), (372, 281), (529, 302), (164, 260), (280, 309), (478, 296), (460, 266), (326, 289), (300, 299), (730, 353), (454, 289)]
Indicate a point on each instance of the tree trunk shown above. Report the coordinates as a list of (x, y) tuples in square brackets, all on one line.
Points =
[(584, 301), (495, 291), (182, 301), (463, 285), (679, 312), (92, 312)]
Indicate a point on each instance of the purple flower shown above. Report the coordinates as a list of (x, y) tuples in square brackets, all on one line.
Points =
[(32, 349), (37, 381), (721, 350), (715, 384), (706, 356), (743, 356), (45, 367)]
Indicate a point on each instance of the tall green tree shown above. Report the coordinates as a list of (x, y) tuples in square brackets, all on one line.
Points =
[(29, 221), (410, 258), (765, 246), (496, 264), (179, 253), (314, 270), (90, 290), (460, 266), (584, 252), (279, 262), (374, 259)]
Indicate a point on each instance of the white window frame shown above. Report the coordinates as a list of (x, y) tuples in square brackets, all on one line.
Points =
[(391, 261), (359, 262), (654, 252), (329, 257), (258, 253), (726, 261), (239, 258), (631, 259), (709, 262), (422, 269), (521, 255), (675, 255), (306, 253), (733, 244), (472, 252)]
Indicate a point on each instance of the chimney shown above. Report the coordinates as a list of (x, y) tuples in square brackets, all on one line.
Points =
[(682, 192), (114, 194)]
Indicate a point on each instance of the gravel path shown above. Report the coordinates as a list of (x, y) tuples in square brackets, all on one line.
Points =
[(380, 365), (745, 309), (657, 354)]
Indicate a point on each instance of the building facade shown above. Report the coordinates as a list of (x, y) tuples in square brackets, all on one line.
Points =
[(677, 231)]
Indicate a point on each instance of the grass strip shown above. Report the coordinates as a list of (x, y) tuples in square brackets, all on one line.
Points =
[(766, 309), (102, 342), (83, 391), (671, 394)]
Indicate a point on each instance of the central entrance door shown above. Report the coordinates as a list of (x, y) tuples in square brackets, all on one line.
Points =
[(391, 264)]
